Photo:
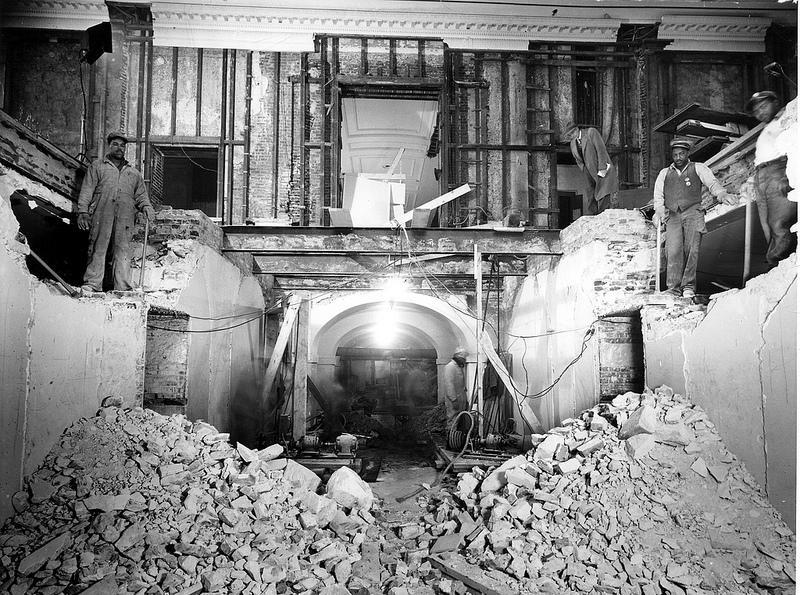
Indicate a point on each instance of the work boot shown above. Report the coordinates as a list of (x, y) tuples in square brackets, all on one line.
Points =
[(88, 289)]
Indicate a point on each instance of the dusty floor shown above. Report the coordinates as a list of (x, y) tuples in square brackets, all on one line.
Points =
[(133, 502)]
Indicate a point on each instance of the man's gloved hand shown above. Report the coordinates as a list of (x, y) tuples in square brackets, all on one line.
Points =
[(660, 215), (730, 199), (84, 221), (150, 213)]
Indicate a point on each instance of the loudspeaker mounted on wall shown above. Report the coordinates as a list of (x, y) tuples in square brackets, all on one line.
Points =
[(96, 42)]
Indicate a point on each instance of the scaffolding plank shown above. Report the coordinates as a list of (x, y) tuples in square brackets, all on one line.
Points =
[(280, 346)]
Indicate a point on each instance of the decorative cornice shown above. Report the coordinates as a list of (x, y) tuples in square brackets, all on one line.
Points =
[(282, 29), (74, 15), (714, 33)]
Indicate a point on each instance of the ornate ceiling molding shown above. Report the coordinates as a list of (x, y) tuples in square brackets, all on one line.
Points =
[(285, 29), (714, 33), (74, 15)]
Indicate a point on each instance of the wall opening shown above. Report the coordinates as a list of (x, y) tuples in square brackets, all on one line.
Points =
[(390, 382), (166, 361), (185, 177), (621, 350), (52, 234), (373, 130)]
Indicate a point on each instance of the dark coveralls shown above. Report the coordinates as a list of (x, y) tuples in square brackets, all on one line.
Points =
[(111, 196), (779, 213)]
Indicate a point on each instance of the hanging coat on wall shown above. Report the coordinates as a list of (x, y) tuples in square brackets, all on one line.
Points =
[(592, 157)]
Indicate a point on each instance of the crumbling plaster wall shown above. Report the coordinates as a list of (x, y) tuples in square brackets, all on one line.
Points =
[(59, 357), (606, 268), (185, 272), (739, 362)]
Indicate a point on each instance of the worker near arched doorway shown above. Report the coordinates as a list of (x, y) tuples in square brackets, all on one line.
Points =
[(455, 387)]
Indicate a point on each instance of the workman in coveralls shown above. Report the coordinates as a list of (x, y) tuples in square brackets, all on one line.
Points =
[(455, 389), (111, 193)]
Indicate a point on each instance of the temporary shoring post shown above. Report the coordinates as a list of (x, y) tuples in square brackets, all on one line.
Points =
[(478, 331), (748, 238)]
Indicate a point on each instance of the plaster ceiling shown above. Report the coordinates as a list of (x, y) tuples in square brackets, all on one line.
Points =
[(373, 130)]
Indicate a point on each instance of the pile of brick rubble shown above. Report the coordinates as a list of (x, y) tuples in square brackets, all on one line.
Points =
[(638, 496), (134, 502)]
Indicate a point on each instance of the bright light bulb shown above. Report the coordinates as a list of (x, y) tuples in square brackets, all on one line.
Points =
[(385, 327), (394, 285)]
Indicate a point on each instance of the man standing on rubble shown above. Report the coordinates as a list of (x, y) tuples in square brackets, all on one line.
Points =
[(776, 211), (111, 193), (600, 175), (455, 388), (677, 194)]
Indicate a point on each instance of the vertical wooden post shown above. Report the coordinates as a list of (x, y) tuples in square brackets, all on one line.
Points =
[(300, 388), (748, 239), (478, 332)]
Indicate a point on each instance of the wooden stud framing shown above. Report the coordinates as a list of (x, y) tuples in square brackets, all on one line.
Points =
[(173, 113), (222, 133), (198, 93), (336, 131), (247, 130), (276, 117), (303, 151)]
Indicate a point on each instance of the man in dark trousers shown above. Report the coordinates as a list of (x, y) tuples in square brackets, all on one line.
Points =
[(111, 193), (677, 194), (600, 175), (776, 140)]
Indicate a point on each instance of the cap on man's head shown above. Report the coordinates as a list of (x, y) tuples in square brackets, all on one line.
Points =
[(460, 351), (757, 98), (116, 134), (680, 143)]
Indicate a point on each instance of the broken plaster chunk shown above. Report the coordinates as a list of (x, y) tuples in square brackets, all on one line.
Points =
[(270, 452), (599, 423), (673, 434), (248, 455), (570, 466), (446, 543), (49, 551), (495, 481), (519, 477), (349, 490), (467, 484), (300, 476), (699, 467), (547, 449), (641, 421), (639, 445), (590, 446), (718, 472)]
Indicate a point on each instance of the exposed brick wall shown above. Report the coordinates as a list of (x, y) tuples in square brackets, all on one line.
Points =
[(621, 355), (166, 363), (44, 89), (178, 224)]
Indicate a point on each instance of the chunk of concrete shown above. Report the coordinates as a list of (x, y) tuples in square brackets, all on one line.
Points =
[(349, 490), (639, 445), (569, 466), (49, 551), (547, 448), (674, 434), (641, 421), (301, 477), (519, 477)]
